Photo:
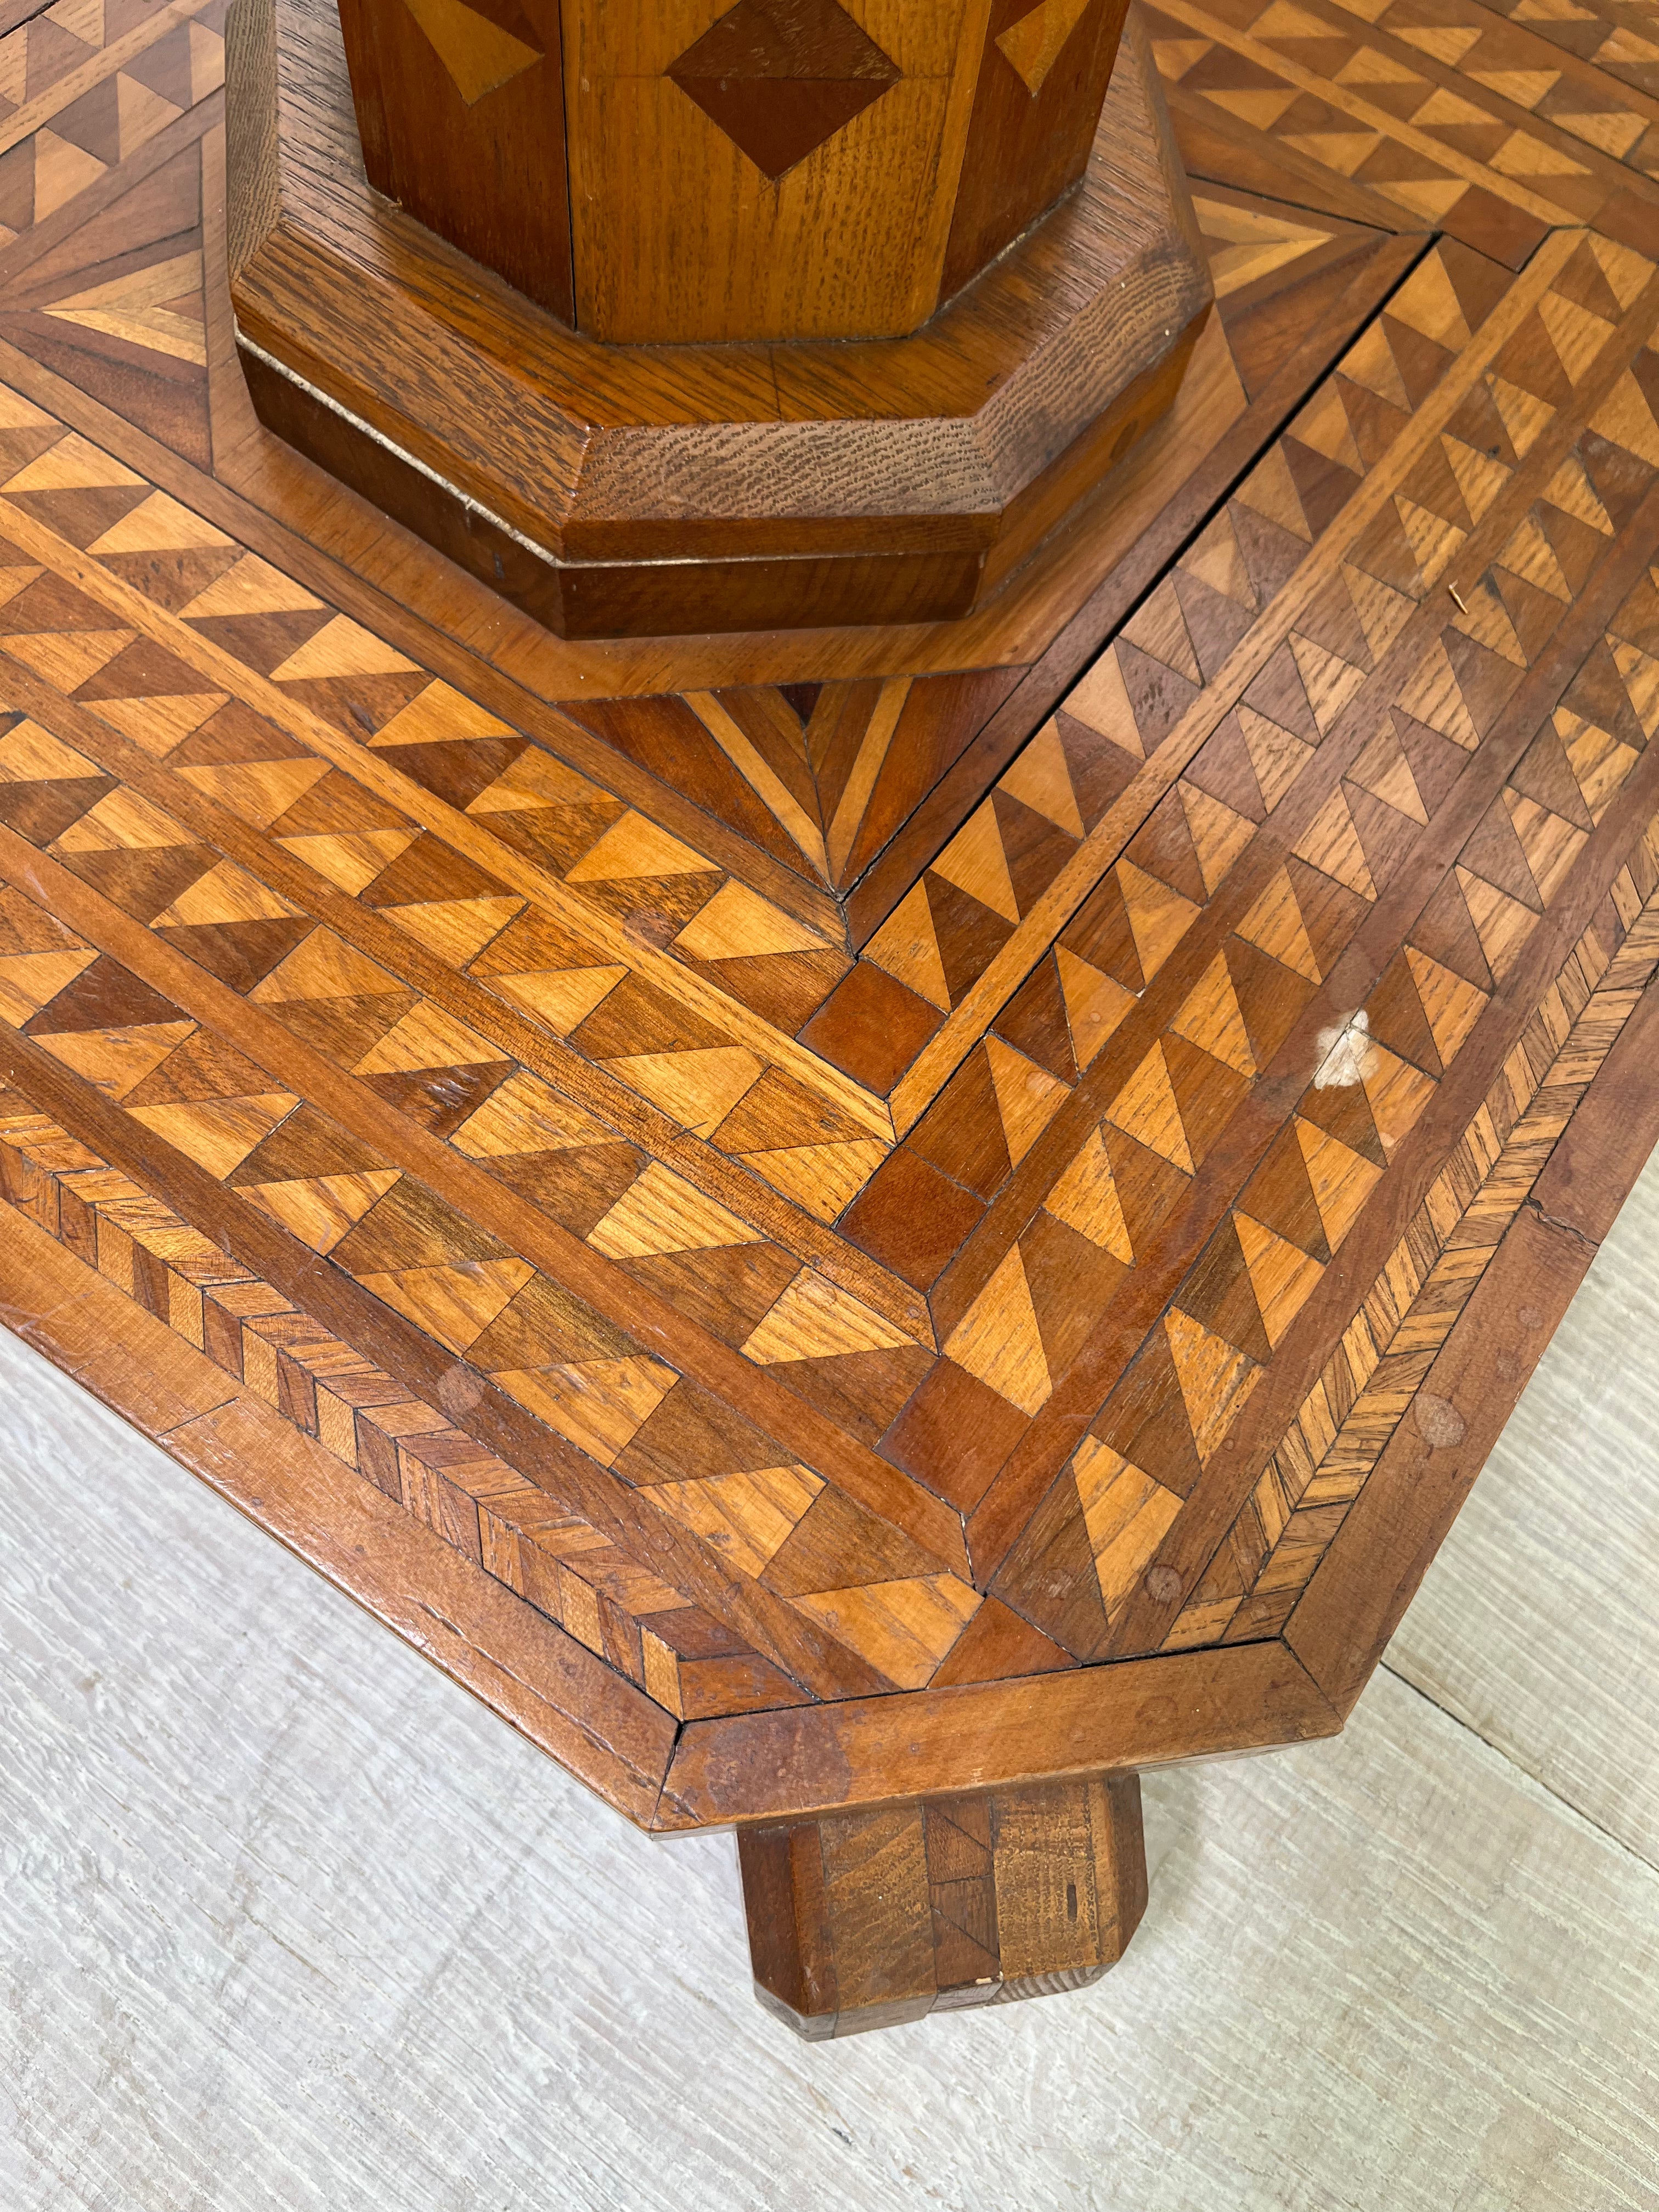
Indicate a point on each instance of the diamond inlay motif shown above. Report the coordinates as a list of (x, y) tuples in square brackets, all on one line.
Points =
[(781, 76), (1136, 1188)]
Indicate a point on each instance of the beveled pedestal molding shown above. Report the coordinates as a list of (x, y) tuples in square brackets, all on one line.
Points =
[(628, 489)]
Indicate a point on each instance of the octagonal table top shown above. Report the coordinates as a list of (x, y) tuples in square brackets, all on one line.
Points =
[(830, 1217)]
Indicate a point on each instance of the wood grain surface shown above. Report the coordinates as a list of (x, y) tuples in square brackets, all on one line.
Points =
[(455, 96), (677, 118), (760, 477), (1036, 1323), (1533, 1620), (1373, 1973), (871, 1919)]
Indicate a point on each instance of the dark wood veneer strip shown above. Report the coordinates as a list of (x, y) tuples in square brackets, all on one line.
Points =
[(548, 1245), (1015, 1492), (931, 826), (634, 1117), (1373, 1565), (1227, 1481), (928, 1743), (526, 1669)]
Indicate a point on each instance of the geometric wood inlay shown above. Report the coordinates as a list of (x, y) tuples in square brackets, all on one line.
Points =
[(817, 1174), (1033, 45), (780, 76), (479, 55)]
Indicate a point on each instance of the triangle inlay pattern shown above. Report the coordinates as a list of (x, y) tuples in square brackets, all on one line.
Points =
[(698, 1279), (479, 55)]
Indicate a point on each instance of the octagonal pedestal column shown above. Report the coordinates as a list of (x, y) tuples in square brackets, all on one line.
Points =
[(714, 398), (867, 1919), (779, 169)]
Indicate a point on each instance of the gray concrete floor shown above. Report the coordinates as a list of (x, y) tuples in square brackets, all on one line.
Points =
[(287, 1921)]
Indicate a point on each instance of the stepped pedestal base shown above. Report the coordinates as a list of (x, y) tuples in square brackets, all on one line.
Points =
[(633, 490)]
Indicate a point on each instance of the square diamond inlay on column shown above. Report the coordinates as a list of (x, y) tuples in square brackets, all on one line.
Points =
[(780, 76)]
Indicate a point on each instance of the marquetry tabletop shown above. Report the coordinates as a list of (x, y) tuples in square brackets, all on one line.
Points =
[(988, 1243)]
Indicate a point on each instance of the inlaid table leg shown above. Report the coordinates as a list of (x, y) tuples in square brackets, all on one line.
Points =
[(866, 1919)]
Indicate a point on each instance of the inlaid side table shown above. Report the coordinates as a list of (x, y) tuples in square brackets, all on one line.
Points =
[(827, 882)]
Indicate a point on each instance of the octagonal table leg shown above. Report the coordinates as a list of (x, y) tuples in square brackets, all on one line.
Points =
[(864, 1919)]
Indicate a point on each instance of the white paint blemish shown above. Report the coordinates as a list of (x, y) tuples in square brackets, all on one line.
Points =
[(1346, 1053)]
